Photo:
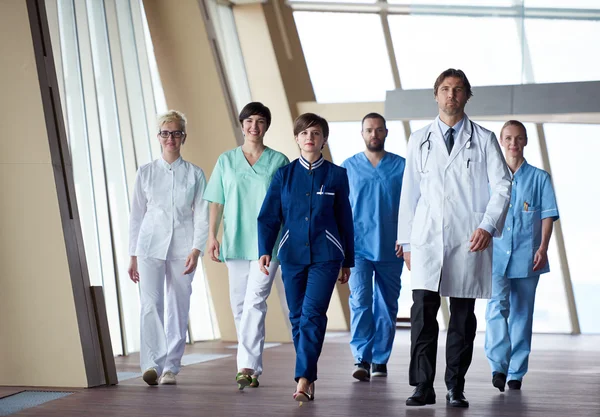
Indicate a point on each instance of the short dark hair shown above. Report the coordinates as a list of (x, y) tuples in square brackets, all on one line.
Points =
[(513, 123), (373, 116), (451, 72), (255, 108), (306, 120)]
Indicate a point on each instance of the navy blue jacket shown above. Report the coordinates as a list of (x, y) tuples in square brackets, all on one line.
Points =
[(313, 205)]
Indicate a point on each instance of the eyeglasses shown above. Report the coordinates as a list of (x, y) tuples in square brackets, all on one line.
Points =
[(177, 134)]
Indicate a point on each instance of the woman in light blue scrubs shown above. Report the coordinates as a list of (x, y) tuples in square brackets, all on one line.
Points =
[(520, 256)]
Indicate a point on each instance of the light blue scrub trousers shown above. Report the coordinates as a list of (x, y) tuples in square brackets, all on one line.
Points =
[(374, 292), (509, 317)]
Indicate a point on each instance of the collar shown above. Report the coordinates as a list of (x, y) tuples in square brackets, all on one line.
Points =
[(174, 165), (519, 171), (457, 127), (310, 166)]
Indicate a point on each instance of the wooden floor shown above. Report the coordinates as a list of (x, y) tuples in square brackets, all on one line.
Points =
[(564, 381)]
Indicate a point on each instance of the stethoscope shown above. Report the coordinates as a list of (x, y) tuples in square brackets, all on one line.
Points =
[(428, 142)]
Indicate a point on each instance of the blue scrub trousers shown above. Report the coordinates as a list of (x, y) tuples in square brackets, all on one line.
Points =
[(308, 290), (374, 292), (509, 317)]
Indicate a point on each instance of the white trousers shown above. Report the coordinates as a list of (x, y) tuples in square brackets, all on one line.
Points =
[(248, 292), (162, 344)]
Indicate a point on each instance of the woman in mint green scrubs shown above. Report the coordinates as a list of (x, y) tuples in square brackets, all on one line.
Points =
[(236, 190)]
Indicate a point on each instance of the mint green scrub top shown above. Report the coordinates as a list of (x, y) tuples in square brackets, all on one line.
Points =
[(241, 189)]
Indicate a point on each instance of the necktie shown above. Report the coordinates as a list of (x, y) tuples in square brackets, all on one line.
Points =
[(450, 140)]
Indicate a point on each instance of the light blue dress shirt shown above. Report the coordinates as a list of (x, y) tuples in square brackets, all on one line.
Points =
[(532, 200), (444, 128)]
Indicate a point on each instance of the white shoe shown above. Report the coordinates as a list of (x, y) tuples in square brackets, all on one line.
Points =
[(168, 378), (150, 376)]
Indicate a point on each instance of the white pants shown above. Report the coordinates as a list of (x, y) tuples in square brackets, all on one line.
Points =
[(248, 292), (162, 345)]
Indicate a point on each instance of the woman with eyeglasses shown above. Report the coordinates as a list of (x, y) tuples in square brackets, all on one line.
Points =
[(168, 231), (236, 190)]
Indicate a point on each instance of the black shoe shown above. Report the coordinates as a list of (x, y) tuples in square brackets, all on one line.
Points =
[(423, 395), (379, 369), (499, 380), (362, 371), (514, 384), (456, 398)]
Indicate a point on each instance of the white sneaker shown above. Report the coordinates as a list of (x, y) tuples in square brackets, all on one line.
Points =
[(168, 378), (150, 376)]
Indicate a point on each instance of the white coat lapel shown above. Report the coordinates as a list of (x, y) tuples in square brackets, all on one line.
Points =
[(437, 139)]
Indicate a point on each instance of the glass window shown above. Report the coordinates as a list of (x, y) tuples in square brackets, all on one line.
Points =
[(572, 149), (231, 52), (450, 3), (571, 4), (562, 50), (334, 1), (346, 56), (487, 49)]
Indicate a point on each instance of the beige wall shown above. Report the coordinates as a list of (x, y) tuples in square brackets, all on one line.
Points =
[(40, 343), (192, 83)]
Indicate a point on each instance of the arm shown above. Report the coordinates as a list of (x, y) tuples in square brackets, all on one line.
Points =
[(213, 247), (549, 216), (541, 255), (343, 215), (201, 226), (138, 210), (270, 216), (200, 221), (410, 195), (215, 194)]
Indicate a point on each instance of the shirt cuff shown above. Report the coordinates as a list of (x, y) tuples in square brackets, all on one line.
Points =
[(488, 228), (550, 213), (406, 247)]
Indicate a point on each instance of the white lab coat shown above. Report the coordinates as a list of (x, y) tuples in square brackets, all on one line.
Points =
[(445, 198), (169, 216)]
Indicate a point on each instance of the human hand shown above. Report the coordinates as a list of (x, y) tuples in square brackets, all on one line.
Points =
[(134, 275), (399, 250), (213, 248), (345, 276), (540, 259), (264, 262), (480, 240), (191, 262)]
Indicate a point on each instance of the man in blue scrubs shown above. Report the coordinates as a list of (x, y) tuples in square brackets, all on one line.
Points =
[(375, 178), (520, 256)]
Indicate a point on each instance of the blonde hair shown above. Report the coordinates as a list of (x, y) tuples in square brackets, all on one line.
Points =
[(513, 123), (172, 116)]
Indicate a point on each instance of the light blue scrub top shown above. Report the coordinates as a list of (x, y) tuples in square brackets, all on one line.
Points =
[(375, 199), (532, 200)]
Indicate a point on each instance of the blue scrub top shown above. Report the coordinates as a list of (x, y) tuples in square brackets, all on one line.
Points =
[(532, 200), (375, 199), (311, 202)]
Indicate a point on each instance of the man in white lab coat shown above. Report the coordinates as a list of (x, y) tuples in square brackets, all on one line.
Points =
[(454, 199)]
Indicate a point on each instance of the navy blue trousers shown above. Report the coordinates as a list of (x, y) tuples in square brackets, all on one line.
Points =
[(308, 290)]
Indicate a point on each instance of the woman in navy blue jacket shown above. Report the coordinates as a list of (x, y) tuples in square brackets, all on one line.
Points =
[(309, 198)]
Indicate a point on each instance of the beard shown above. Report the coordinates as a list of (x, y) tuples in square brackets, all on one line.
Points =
[(376, 147)]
